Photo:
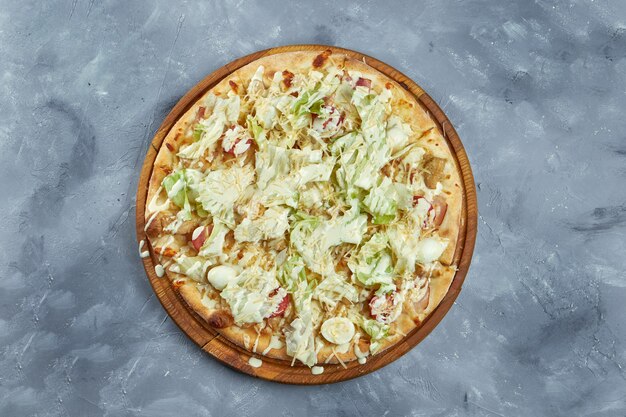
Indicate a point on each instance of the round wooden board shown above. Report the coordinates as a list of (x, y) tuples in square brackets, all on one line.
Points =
[(280, 370)]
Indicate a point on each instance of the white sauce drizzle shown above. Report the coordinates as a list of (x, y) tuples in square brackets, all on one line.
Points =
[(255, 362), (256, 342), (246, 341), (150, 219), (275, 343), (317, 370), (159, 270), (362, 356), (145, 253), (153, 206)]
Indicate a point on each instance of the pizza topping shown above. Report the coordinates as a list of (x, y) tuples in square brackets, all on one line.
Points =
[(338, 330), (199, 235), (200, 113), (430, 249), (287, 78), (381, 202), (207, 132), (434, 168), (192, 266), (377, 331), (221, 275), (271, 225), (317, 370), (321, 58), (422, 303), (236, 140), (441, 207), (219, 190), (333, 289), (385, 308), (337, 206), (328, 122), (282, 306), (364, 82), (397, 133), (233, 86), (424, 211), (252, 296), (373, 264)]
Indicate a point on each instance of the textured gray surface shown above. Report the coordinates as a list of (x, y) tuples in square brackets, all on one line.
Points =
[(537, 92)]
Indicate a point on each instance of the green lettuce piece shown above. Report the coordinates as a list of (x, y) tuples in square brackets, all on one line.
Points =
[(214, 244), (381, 202), (179, 186), (333, 288), (309, 102), (258, 133), (313, 237), (373, 265), (271, 225), (218, 191), (299, 336), (377, 331), (207, 132), (271, 162), (176, 187)]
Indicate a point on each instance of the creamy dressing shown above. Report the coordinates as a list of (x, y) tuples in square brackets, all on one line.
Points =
[(159, 270), (317, 370), (143, 254), (255, 362), (362, 356), (256, 342), (275, 343), (150, 219), (153, 206), (246, 341)]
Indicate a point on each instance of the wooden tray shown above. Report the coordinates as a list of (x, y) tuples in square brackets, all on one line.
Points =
[(279, 370)]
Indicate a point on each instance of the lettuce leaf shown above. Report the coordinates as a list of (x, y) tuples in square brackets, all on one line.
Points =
[(381, 202), (373, 264)]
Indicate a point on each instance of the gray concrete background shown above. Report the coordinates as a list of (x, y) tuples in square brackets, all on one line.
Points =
[(537, 92)]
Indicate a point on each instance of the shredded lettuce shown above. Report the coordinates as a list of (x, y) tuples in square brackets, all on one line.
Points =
[(376, 331), (299, 336), (208, 131), (292, 273), (309, 102), (271, 162), (381, 202), (372, 265), (313, 237), (397, 133), (249, 295), (214, 244), (180, 187), (271, 225), (333, 289), (220, 189)]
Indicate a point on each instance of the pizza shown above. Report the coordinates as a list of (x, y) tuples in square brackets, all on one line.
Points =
[(307, 208)]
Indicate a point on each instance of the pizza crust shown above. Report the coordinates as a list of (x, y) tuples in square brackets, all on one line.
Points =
[(424, 129)]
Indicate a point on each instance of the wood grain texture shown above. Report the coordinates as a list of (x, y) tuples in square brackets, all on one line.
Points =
[(279, 370)]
